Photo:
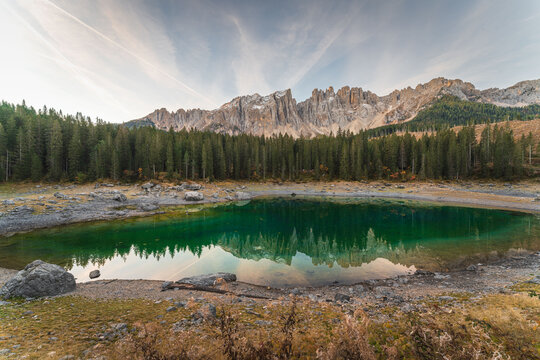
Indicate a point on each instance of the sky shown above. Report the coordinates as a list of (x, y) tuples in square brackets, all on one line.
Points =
[(121, 59)]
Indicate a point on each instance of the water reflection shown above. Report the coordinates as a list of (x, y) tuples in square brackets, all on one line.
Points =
[(282, 241)]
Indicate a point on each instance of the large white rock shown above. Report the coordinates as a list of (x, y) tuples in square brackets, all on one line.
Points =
[(193, 196), (241, 195), (39, 279)]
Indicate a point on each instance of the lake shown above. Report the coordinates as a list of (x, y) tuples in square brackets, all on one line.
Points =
[(283, 241)]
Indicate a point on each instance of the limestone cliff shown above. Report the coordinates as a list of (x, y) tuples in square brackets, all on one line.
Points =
[(328, 111)]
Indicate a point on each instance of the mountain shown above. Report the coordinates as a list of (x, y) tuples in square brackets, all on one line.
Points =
[(328, 111)]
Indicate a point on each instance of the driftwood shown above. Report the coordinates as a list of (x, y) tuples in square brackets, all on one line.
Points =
[(185, 286)]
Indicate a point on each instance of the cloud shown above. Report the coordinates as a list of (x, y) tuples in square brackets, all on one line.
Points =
[(121, 59)]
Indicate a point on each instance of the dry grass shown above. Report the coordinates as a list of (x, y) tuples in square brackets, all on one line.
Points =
[(500, 326)]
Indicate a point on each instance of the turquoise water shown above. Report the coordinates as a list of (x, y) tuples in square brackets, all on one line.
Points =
[(283, 242)]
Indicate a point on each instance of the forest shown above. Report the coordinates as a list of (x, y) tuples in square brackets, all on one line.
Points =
[(45, 145)]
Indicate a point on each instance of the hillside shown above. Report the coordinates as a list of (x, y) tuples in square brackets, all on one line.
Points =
[(348, 109)]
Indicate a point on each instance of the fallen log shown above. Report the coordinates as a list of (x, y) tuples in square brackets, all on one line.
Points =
[(211, 289)]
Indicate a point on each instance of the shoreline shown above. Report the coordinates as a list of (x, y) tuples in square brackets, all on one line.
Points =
[(492, 278), (55, 206)]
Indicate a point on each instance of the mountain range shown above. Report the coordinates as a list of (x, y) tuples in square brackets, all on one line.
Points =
[(327, 111)]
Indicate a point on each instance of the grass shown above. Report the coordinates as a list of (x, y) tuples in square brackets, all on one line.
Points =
[(499, 326)]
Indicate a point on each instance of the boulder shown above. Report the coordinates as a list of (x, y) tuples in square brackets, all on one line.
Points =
[(241, 195), (39, 279), (207, 279), (193, 196)]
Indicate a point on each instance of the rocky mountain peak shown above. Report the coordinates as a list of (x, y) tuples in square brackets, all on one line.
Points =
[(326, 111)]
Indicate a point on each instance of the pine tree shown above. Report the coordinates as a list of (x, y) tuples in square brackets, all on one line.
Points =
[(55, 152), (74, 153), (170, 158), (36, 172)]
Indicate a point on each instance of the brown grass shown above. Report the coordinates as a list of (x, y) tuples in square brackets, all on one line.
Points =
[(500, 326)]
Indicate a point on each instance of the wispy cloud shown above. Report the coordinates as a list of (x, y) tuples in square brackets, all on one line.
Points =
[(120, 59)]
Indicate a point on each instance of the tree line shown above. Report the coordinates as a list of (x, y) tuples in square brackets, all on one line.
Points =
[(47, 145)]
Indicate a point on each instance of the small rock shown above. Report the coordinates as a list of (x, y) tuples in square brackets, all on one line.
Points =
[(148, 207), (446, 298), (171, 308), (148, 186), (535, 280), (263, 322), (59, 195), (209, 311), (341, 297), (5, 351), (423, 272), (440, 276), (407, 308), (94, 274), (472, 268), (67, 357), (120, 197), (207, 279), (8, 202), (180, 304), (119, 327), (166, 284), (241, 195), (193, 186)]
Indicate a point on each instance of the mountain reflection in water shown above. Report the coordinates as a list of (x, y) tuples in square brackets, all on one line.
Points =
[(283, 241)]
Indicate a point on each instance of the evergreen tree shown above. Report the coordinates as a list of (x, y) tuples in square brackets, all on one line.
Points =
[(55, 151)]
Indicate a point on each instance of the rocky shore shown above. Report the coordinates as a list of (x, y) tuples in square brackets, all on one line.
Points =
[(27, 208)]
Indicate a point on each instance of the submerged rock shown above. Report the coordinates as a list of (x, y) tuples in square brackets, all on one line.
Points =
[(39, 279), (193, 196), (148, 207), (208, 279)]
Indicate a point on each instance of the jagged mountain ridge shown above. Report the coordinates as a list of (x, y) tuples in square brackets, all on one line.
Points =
[(327, 111)]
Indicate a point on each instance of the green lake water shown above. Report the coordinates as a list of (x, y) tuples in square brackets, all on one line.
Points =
[(283, 241)]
